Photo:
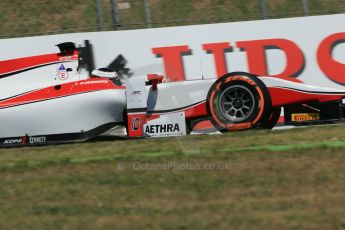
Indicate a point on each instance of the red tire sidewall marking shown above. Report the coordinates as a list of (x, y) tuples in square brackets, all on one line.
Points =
[(214, 116)]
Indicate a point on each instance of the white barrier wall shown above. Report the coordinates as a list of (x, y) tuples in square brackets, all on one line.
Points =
[(310, 48)]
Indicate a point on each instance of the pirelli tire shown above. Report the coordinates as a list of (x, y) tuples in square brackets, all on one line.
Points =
[(272, 119), (238, 101)]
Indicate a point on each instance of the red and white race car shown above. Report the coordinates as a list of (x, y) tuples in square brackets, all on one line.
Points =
[(44, 99)]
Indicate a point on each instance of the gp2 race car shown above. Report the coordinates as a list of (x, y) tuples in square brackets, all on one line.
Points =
[(44, 99)]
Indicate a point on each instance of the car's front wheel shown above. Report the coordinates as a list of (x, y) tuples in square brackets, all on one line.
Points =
[(238, 101)]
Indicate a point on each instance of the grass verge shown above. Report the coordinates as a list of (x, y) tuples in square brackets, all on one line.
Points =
[(289, 179)]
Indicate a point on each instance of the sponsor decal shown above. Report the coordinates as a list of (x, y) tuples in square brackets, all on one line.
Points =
[(93, 82), (241, 126), (69, 58), (25, 140), (62, 73), (13, 141), (135, 123), (37, 140), (305, 116), (173, 124), (162, 128)]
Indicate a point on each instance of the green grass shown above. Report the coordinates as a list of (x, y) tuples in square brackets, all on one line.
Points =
[(37, 17), (288, 179)]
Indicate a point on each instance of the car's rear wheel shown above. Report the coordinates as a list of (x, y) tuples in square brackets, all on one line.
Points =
[(272, 119), (238, 101)]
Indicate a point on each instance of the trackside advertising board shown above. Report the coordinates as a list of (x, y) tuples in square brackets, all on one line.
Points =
[(311, 49)]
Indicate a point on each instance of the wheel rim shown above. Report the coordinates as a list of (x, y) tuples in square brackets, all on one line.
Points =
[(236, 103)]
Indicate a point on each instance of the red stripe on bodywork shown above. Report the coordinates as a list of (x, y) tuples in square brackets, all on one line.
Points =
[(282, 96), (58, 91), (14, 65), (152, 117), (196, 111)]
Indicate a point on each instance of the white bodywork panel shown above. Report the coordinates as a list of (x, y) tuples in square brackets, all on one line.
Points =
[(177, 95), (76, 113), (281, 83), (136, 93)]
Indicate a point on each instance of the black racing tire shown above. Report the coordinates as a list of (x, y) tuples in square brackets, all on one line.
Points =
[(189, 127), (272, 119), (238, 101)]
